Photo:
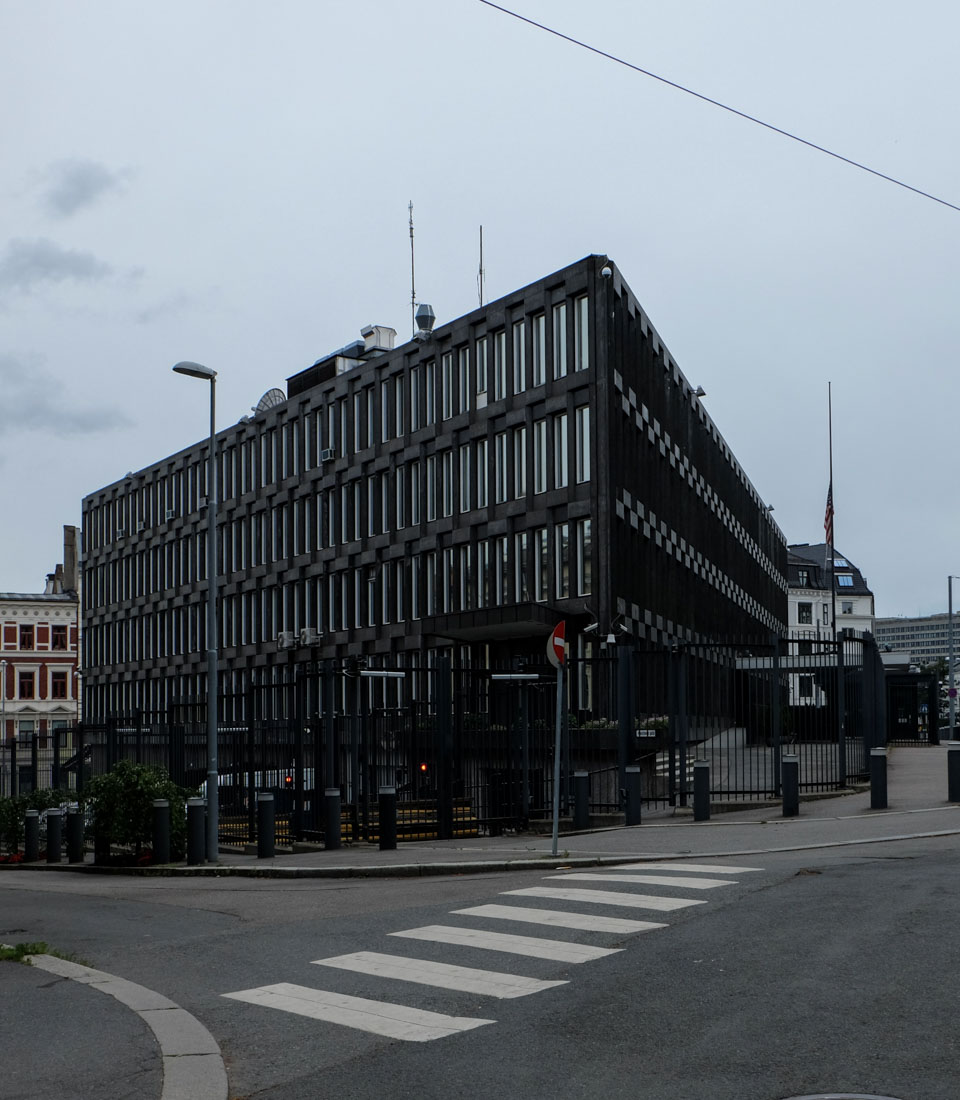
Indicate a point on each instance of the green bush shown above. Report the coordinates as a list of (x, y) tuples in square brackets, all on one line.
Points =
[(13, 810), (122, 806)]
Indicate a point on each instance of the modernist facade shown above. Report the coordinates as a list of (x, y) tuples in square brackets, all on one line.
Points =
[(542, 458), (926, 638), (39, 644)]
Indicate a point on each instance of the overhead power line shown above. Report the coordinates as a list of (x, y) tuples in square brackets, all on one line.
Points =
[(716, 103)]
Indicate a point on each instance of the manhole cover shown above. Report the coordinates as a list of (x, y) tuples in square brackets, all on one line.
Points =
[(840, 1096)]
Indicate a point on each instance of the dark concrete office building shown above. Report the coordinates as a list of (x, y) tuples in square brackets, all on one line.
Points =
[(542, 458)]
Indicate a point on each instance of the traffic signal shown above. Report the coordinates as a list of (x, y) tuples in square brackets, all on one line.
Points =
[(288, 782), (423, 767)]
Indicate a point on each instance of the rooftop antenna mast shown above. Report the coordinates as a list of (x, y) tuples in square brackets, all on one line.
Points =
[(480, 273), (413, 290)]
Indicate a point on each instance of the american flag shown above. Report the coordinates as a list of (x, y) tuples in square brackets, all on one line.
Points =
[(828, 517)]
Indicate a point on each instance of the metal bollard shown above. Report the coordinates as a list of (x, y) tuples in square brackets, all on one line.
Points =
[(266, 826), (331, 817), (701, 790), (581, 800), (632, 796), (790, 772), (161, 830), (388, 819), (953, 773), (74, 834), (31, 836), (878, 779), (196, 831), (54, 836)]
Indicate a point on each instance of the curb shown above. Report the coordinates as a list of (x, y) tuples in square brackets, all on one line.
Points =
[(192, 1064)]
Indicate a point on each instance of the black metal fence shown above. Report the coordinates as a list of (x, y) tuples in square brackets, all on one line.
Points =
[(473, 751)]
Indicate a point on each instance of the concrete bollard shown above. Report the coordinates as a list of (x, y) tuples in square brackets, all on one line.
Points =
[(331, 817), (196, 831), (701, 790), (74, 834), (953, 773), (632, 797), (790, 772), (266, 826), (161, 830), (31, 836), (581, 800), (878, 779), (54, 836), (388, 819)]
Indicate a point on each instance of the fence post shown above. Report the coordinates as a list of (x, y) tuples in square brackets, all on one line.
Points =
[(74, 834), (841, 714), (581, 800), (791, 785), (80, 746), (331, 821), (444, 749), (196, 831), (31, 836), (524, 754), (878, 779), (632, 796), (266, 826), (682, 724), (161, 830), (388, 819), (298, 713), (54, 836), (55, 761), (34, 762), (701, 790), (776, 718), (14, 768), (953, 772)]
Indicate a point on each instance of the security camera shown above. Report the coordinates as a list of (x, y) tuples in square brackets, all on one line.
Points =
[(606, 271), (591, 628)]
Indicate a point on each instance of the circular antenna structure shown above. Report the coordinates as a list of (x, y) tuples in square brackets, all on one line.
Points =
[(270, 400)]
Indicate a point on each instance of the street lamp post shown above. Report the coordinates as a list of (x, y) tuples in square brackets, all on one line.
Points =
[(952, 691), (197, 370), (3, 702)]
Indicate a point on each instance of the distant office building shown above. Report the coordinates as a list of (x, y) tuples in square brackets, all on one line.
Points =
[(926, 638), (541, 459)]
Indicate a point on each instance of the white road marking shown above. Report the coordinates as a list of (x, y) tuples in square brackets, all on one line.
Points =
[(532, 946), (413, 1025), (607, 897), (558, 919), (694, 868), (464, 979), (649, 880)]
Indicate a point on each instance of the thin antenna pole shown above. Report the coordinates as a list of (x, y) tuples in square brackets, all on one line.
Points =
[(413, 289), (480, 273), (833, 534)]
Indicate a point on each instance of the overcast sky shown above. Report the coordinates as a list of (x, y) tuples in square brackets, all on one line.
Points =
[(227, 181)]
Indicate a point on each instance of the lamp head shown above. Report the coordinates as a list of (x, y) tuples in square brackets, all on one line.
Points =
[(195, 370)]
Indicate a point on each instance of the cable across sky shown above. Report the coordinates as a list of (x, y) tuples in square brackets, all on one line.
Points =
[(716, 103)]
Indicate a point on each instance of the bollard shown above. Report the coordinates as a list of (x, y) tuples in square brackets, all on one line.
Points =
[(101, 848), (331, 818), (632, 796), (266, 826), (790, 772), (31, 836), (581, 800), (161, 831), (196, 831), (388, 819), (701, 790), (878, 779), (953, 773), (74, 834), (54, 836)]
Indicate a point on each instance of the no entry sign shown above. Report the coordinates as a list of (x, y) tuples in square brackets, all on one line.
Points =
[(556, 644)]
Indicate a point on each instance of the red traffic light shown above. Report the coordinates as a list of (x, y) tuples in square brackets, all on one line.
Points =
[(288, 781), (423, 767)]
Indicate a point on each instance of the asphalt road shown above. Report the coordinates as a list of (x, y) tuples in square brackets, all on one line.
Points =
[(832, 970)]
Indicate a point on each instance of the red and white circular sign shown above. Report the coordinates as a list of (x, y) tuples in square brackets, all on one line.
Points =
[(556, 644)]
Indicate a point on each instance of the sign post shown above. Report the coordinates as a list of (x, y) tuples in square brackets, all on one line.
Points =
[(556, 652)]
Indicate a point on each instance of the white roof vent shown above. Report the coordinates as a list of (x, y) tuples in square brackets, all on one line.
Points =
[(378, 338)]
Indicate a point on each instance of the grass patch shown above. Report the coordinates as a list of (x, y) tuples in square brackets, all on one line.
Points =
[(18, 953)]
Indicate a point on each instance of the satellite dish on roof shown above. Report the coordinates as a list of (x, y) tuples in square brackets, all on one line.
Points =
[(270, 400)]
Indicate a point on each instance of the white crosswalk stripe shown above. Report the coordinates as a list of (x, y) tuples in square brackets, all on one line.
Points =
[(607, 897), (555, 918), (393, 1021), (648, 880), (535, 947), (692, 868), (464, 979)]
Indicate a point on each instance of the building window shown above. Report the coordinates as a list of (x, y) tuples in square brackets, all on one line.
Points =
[(58, 685), (499, 365), (584, 558), (519, 357), (805, 687), (501, 577), (481, 354), (561, 534), (826, 614), (803, 578), (466, 580), (539, 349), (447, 488), (465, 478), (430, 393), (58, 637), (521, 583), (541, 565), (560, 464), (398, 405), (463, 379), (446, 385), (431, 488), (805, 613), (846, 607), (26, 686), (482, 473), (582, 443), (539, 456), (26, 637), (560, 340), (415, 493), (414, 399), (519, 462), (844, 580), (500, 463), (581, 333)]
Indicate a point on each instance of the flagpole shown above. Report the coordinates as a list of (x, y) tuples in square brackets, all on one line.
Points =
[(833, 583)]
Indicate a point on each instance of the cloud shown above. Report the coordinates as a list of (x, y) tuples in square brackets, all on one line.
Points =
[(34, 400), (27, 264), (74, 184), (168, 307)]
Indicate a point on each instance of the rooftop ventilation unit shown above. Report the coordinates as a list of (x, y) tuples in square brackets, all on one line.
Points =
[(425, 322), (378, 339)]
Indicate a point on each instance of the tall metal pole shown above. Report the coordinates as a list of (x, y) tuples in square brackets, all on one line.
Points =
[(213, 790), (556, 758), (952, 691)]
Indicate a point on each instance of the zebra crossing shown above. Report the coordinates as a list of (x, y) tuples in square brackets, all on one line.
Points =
[(392, 1020)]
